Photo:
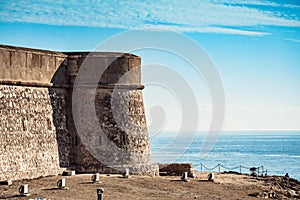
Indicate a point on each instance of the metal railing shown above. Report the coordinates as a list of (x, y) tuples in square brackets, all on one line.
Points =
[(258, 170)]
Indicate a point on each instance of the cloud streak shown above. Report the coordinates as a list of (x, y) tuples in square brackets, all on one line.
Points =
[(293, 40), (209, 29), (226, 17)]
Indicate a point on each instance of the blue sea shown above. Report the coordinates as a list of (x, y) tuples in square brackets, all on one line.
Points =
[(277, 151)]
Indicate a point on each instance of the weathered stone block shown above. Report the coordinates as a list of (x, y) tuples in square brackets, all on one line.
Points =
[(176, 169), (18, 65), (4, 64)]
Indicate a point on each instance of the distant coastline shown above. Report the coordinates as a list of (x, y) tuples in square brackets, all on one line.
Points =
[(275, 150)]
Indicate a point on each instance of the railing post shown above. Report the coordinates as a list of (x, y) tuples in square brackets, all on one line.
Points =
[(201, 167), (100, 193), (219, 167), (240, 169)]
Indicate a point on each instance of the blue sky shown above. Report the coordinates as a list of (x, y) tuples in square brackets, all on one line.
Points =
[(255, 46)]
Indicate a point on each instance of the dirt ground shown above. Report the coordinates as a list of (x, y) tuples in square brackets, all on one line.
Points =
[(226, 186)]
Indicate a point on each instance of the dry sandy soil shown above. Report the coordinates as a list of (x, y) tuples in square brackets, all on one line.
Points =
[(226, 186)]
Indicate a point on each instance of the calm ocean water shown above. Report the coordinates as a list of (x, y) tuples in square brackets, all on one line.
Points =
[(278, 152)]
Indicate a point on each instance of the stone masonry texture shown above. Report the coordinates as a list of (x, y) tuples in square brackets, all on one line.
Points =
[(41, 135), (28, 142)]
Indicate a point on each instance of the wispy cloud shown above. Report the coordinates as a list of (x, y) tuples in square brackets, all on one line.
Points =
[(248, 2), (293, 40), (192, 16), (210, 29), (291, 6)]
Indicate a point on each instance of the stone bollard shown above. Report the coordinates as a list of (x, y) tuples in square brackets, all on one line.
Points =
[(73, 173), (100, 192), (61, 183), (193, 175), (126, 173), (185, 177), (69, 173), (96, 178), (7, 182), (23, 190), (211, 177)]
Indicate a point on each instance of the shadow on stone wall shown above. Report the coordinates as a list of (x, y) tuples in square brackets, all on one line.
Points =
[(59, 96), (72, 153)]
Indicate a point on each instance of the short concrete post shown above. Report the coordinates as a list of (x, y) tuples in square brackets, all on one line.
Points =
[(185, 177), (100, 192), (96, 178), (69, 173), (61, 183), (7, 182), (211, 177), (126, 173), (23, 190)]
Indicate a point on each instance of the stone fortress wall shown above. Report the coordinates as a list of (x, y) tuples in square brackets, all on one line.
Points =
[(38, 133)]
